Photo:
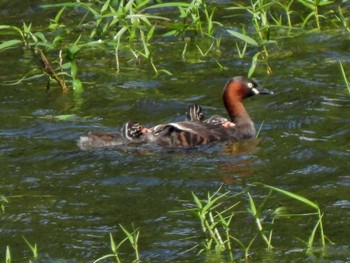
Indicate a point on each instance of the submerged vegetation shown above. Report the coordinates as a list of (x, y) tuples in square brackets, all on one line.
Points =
[(135, 30)]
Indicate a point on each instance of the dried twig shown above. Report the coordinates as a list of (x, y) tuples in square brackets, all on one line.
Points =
[(47, 68)]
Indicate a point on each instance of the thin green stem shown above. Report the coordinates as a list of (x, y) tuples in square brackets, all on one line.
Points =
[(320, 216)]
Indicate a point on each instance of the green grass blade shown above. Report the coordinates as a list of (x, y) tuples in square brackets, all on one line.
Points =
[(34, 248), (252, 205), (166, 72), (347, 83), (3, 199), (9, 44), (68, 4), (294, 196), (253, 65), (176, 4), (104, 257), (259, 130), (113, 245), (197, 201), (312, 236), (307, 19), (142, 16), (13, 28), (244, 38), (8, 255), (132, 236), (308, 4)]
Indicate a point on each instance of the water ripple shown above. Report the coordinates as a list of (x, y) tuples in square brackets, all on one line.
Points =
[(314, 168)]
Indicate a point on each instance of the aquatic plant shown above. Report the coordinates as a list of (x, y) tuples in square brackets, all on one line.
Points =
[(258, 11), (212, 220), (344, 21), (216, 220), (216, 214), (33, 248), (269, 19), (259, 130), (256, 212), (3, 200), (314, 7), (34, 43), (8, 255), (123, 25), (302, 200), (132, 237), (346, 81), (134, 29), (196, 18)]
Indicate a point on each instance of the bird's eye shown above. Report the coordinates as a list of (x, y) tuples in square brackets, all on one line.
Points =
[(250, 85)]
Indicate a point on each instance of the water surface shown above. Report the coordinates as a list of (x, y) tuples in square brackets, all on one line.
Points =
[(67, 201)]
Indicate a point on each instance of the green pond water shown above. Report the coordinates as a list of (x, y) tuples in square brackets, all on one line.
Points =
[(67, 201)]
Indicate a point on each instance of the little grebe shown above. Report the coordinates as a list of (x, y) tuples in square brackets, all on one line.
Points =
[(194, 132), (195, 113)]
